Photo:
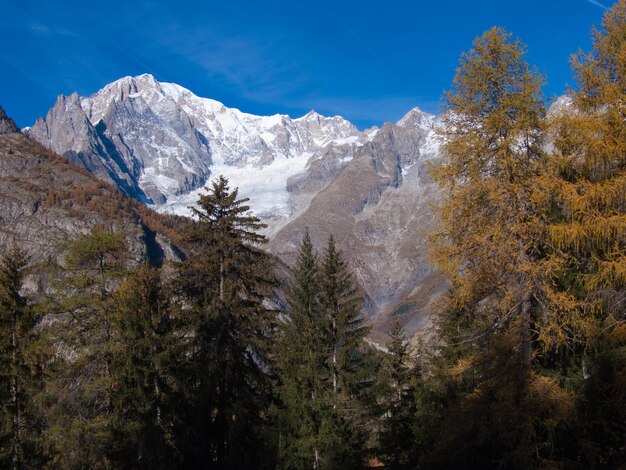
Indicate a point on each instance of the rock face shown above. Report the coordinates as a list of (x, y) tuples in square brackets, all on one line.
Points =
[(160, 143), (44, 200), (7, 126), (378, 209)]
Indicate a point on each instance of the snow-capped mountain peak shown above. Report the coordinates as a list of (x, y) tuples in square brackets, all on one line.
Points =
[(161, 142), (310, 116), (416, 117)]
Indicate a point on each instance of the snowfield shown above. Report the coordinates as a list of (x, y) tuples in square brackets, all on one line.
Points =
[(266, 187)]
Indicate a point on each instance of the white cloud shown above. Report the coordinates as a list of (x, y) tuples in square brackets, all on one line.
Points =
[(598, 4)]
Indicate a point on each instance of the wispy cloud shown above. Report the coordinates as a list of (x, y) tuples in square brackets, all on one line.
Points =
[(598, 4), (48, 31), (259, 70)]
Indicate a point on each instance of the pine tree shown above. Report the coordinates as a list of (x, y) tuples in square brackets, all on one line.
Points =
[(301, 366), (144, 350), (228, 277), (22, 364), (397, 436)]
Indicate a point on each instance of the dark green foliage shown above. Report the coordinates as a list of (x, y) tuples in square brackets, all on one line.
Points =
[(300, 361), (22, 362), (397, 435), (344, 333), (143, 365), (341, 305), (320, 364), (227, 278), (82, 333)]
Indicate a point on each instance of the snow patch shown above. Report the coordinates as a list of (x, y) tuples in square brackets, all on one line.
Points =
[(265, 186)]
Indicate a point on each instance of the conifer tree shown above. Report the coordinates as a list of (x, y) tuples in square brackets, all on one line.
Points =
[(491, 244), (21, 363), (302, 367), (144, 351), (492, 132), (321, 365), (397, 434), (343, 428), (80, 422), (228, 277), (342, 309), (583, 197)]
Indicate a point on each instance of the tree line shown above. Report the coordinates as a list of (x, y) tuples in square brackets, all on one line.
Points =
[(201, 364), (194, 365)]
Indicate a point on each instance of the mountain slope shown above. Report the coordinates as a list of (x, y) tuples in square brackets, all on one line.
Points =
[(378, 209), (44, 200)]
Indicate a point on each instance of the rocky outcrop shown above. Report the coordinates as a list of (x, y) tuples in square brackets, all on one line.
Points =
[(7, 126), (68, 131), (46, 200)]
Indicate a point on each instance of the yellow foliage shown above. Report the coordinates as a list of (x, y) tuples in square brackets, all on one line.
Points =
[(618, 334), (462, 365), (554, 405)]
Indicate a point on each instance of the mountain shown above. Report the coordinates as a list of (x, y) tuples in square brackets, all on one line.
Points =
[(45, 199), (158, 140), (160, 143), (7, 126), (378, 208)]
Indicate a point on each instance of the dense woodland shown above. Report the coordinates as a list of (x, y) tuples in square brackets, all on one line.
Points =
[(203, 364)]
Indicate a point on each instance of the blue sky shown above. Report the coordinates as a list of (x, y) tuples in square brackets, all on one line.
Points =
[(368, 61)]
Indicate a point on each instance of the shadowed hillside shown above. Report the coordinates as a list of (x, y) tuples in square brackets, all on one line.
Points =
[(45, 199)]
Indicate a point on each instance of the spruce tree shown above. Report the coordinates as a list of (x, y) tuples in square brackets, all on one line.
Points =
[(343, 428), (397, 434), (227, 278), (321, 363), (22, 364), (342, 304), (144, 354), (301, 366)]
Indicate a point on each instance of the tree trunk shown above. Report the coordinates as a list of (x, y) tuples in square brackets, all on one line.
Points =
[(222, 278), (316, 459), (335, 355), (526, 335), (221, 421)]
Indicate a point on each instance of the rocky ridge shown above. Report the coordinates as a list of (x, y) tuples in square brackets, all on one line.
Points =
[(7, 126), (158, 141), (46, 200)]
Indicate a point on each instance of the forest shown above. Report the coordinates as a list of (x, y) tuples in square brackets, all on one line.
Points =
[(224, 361)]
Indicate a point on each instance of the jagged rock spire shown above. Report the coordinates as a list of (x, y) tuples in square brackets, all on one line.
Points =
[(7, 126)]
